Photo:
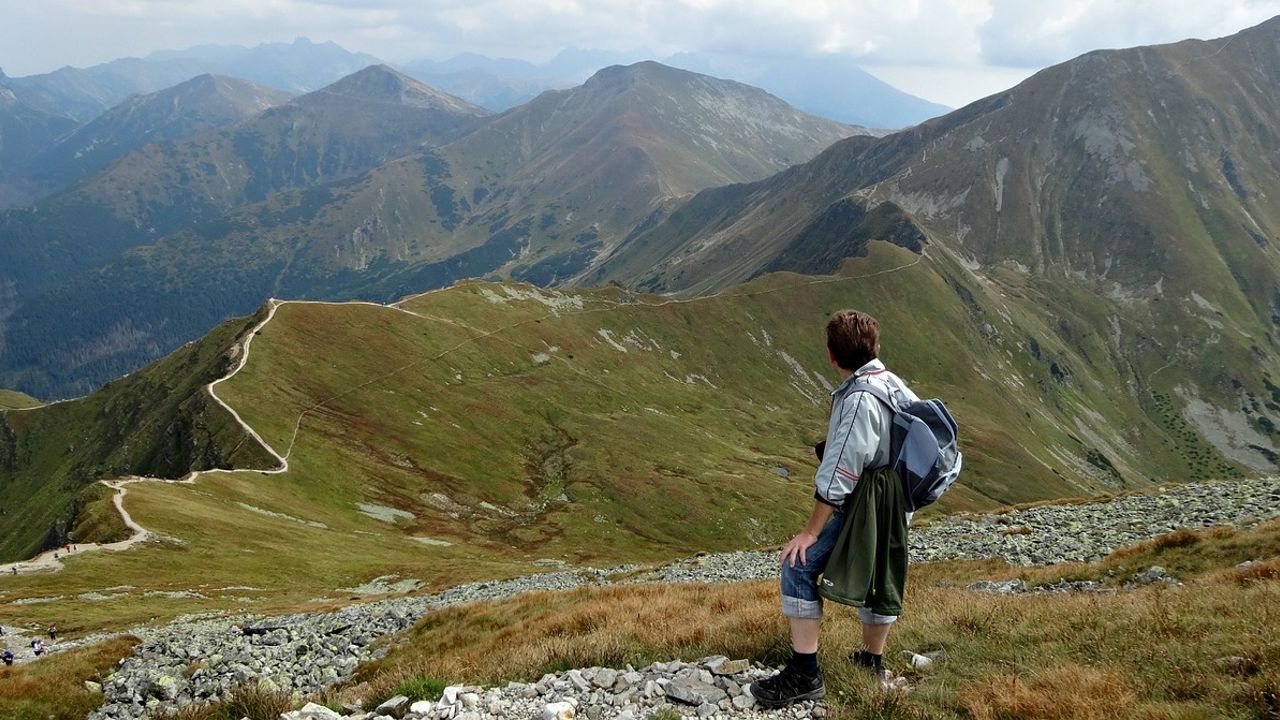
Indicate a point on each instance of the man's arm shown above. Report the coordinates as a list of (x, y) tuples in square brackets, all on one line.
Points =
[(799, 545)]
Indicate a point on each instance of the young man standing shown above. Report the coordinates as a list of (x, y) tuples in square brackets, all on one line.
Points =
[(858, 437)]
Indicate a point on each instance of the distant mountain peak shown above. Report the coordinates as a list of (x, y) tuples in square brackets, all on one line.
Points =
[(381, 83), (644, 68)]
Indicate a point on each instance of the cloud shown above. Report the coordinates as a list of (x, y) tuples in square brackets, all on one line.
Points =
[(955, 36), (1036, 34)]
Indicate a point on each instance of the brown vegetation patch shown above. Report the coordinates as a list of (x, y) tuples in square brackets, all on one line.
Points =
[(1176, 539), (1068, 692), (1258, 572), (53, 687)]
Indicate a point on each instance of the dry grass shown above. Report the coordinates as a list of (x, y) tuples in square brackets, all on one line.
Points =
[(1175, 539), (53, 688), (1069, 692), (1150, 653), (544, 632)]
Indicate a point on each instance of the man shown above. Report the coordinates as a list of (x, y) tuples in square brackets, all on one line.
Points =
[(858, 437)]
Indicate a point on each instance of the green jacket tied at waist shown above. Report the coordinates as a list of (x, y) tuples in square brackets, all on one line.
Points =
[(868, 567)]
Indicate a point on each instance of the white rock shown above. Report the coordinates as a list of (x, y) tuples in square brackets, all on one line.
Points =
[(558, 711), (917, 661), (422, 707)]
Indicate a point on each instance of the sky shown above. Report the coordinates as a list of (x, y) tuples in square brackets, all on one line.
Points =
[(948, 51)]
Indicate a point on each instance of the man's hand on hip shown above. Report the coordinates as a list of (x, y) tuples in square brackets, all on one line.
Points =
[(798, 548)]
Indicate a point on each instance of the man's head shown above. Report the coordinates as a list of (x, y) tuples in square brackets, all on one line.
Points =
[(853, 339)]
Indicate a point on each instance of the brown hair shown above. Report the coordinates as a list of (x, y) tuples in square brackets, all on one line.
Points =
[(853, 338)]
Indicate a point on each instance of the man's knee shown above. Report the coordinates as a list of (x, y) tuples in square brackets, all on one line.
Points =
[(869, 617), (800, 598)]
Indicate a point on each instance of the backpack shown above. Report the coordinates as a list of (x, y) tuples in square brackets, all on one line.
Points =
[(923, 446)]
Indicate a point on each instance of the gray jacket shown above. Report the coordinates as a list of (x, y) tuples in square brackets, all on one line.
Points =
[(858, 432)]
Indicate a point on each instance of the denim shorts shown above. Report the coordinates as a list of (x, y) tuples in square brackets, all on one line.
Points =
[(800, 598)]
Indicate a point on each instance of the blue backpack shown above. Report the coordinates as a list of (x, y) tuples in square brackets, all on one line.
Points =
[(923, 446)]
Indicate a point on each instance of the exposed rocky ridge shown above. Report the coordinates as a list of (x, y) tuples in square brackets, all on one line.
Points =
[(309, 651)]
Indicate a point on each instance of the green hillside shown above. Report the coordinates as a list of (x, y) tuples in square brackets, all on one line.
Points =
[(14, 400), (1120, 199), (493, 425), (157, 422)]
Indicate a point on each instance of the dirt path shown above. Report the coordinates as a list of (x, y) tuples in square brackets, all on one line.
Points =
[(51, 560)]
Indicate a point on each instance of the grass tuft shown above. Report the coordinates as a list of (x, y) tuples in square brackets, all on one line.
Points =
[(248, 701), (421, 688)]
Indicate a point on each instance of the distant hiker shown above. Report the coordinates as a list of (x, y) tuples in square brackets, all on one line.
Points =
[(857, 490), (7, 656), (37, 648), (53, 632)]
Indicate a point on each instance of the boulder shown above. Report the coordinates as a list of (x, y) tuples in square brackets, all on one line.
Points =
[(730, 667), (395, 707), (694, 692), (311, 711)]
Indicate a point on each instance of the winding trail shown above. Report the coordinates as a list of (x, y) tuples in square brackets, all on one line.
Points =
[(51, 560)]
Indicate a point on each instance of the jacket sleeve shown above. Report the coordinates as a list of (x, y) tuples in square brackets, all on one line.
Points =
[(851, 446)]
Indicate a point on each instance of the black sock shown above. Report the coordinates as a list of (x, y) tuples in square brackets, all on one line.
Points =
[(866, 659), (805, 663)]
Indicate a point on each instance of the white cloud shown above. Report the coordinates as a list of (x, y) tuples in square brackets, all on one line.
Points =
[(901, 38), (1036, 34)]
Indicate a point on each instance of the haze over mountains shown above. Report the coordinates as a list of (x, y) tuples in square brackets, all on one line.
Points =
[(1085, 265), (823, 85)]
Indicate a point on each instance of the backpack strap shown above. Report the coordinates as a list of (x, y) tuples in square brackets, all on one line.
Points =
[(877, 393)]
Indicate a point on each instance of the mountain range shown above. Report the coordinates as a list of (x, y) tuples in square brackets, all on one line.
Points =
[(186, 233), (1084, 266), (84, 93), (202, 103), (827, 85)]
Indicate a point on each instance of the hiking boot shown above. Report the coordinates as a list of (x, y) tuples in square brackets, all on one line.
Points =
[(788, 686), (873, 664)]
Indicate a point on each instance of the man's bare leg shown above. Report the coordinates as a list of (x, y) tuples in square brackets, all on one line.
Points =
[(804, 634), (874, 637)]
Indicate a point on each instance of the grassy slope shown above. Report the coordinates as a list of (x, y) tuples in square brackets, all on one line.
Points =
[(158, 421), (516, 431), (14, 400)]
